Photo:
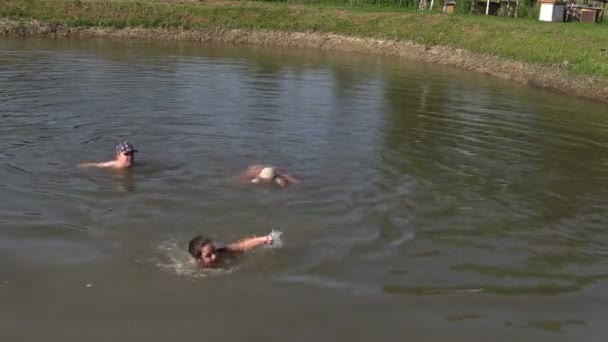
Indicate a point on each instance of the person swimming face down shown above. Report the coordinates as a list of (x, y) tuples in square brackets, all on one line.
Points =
[(208, 255), (269, 175)]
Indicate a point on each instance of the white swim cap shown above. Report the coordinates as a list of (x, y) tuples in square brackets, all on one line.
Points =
[(267, 173)]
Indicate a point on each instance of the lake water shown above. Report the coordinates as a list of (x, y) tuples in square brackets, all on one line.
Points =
[(436, 204)]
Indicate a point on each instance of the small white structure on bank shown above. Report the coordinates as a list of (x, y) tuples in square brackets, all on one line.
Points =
[(552, 10)]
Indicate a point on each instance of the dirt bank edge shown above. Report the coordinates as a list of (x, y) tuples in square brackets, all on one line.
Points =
[(552, 78)]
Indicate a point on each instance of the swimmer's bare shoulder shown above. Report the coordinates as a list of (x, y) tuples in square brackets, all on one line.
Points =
[(254, 170), (250, 173), (226, 256)]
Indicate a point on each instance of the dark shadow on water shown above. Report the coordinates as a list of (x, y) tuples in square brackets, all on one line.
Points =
[(548, 325)]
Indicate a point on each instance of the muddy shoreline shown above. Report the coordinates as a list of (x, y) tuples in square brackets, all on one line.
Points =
[(551, 78)]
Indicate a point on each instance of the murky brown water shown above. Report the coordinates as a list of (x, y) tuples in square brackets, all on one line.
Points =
[(437, 205)]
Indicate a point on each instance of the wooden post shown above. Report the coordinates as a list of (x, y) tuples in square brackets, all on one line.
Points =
[(488, 7)]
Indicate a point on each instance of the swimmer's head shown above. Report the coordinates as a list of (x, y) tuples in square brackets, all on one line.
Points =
[(203, 250), (267, 173), (125, 154), (195, 245)]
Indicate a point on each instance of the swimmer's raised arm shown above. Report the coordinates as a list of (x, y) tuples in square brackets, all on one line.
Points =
[(250, 243)]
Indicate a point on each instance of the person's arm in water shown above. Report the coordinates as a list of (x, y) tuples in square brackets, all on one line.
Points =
[(290, 180), (111, 163), (249, 243)]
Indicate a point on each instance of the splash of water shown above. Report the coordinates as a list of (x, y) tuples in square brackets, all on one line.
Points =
[(277, 242)]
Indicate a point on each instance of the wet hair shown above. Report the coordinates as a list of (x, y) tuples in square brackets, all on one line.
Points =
[(195, 244)]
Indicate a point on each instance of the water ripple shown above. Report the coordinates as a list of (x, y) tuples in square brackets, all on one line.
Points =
[(415, 180)]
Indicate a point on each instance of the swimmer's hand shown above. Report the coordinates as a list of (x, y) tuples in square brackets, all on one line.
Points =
[(269, 240)]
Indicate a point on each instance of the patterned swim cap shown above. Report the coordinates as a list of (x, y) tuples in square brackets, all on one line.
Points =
[(125, 147)]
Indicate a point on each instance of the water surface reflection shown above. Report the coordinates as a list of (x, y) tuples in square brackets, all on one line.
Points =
[(434, 201)]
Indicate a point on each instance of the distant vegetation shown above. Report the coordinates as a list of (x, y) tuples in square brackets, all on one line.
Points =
[(580, 49), (526, 8)]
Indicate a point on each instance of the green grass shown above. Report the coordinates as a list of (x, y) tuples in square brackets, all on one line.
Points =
[(575, 47)]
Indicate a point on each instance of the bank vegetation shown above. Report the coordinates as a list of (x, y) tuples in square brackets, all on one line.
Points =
[(569, 58)]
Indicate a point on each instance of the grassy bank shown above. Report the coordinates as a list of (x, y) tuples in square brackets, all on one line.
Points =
[(578, 49)]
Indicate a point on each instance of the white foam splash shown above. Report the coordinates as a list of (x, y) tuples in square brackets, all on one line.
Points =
[(277, 242)]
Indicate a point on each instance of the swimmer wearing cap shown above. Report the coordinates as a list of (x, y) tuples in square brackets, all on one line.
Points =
[(266, 174), (206, 254), (124, 158)]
